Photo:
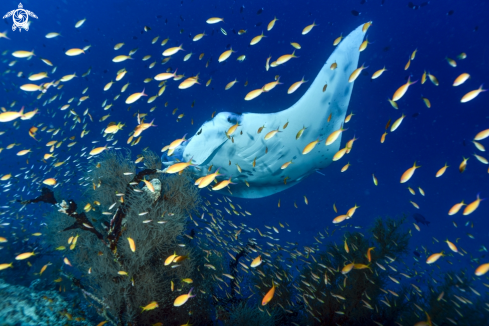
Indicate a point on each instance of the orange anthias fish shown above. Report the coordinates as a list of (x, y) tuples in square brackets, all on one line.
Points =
[(409, 173), (132, 244), (470, 208), (434, 257), (256, 262), (369, 255), (152, 305), (402, 90), (269, 296), (183, 298)]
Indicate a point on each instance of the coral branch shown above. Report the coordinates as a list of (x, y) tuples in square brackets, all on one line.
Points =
[(82, 222), (233, 266), (116, 222), (93, 297)]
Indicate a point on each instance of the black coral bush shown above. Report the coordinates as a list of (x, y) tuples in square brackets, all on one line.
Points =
[(118, 279)]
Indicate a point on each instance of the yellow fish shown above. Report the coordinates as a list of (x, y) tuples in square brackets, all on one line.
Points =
[(180, 300), (152, 305), (269, 296), (132, 244), (25, 255)]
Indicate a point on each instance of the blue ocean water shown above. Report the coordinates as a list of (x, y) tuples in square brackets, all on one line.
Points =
[(430, 137)]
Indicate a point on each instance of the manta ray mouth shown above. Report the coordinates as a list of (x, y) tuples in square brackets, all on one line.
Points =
[(177, 155)]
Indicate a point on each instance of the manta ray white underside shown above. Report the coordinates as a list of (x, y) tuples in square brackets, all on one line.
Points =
[(210, 145)]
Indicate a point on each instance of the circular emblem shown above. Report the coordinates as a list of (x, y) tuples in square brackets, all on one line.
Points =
[(20, 18)]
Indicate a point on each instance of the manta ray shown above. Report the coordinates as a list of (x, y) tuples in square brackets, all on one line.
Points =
[(259, 173)]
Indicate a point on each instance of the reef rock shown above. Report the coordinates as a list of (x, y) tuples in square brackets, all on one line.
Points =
[(157, 186), (23, 306)]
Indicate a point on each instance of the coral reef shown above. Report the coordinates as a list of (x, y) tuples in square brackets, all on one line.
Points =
[(136, 242), (120, 279), (246, 315), (24, 306)]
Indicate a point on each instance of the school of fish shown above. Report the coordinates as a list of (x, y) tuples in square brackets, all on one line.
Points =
[(59, 150)]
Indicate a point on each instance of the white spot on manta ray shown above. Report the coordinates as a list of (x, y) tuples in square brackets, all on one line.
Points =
[(210, 145)]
